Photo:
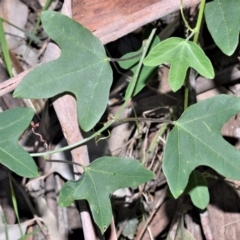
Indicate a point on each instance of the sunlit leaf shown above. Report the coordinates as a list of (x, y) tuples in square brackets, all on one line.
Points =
[(181, 54), (223, 22)]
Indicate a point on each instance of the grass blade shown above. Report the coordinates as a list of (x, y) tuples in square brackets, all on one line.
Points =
[(5, 50)]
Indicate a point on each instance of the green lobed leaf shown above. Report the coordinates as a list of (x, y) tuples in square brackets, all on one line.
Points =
[(82, 69), (99, 180), (197, 188), (12, 124), (223, 22), (145, 73), (196, 140), (181, 54)]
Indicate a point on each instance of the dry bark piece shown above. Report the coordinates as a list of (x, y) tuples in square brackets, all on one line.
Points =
[(224, 211), (112, 19), (161, 219)]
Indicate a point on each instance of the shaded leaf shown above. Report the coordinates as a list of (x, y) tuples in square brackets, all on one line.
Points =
[(183, 234), (223, 22), (82, 69), (100, 179), (145, 73), (197, 188), (12, 124), (130, 228), (196, 140), (127, 217), (181, 54)]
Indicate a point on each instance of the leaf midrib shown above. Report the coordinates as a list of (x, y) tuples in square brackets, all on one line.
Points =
[(111, 173), (19, 162), (99, 209), (92, 95), (225, 23), (11, 123), (52, 79), (73, 42)]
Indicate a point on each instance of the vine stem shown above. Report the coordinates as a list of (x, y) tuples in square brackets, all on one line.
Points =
[(118, 114), (77, 144), (199, 21), (196, 32)]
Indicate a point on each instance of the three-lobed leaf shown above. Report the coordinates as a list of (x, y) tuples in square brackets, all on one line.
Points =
[(181, 54), (223, 22), (82, 69), (100, 179), (196, 140), (12, 124)]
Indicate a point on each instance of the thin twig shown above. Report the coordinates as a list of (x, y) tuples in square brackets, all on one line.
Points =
[(64, 161), (158, 204), (142, 119)]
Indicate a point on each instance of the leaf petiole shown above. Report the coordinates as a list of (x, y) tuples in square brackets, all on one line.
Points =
[(125, 59), (199, 21)]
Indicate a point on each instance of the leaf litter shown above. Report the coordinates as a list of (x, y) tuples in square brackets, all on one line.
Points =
[(134, 141)]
